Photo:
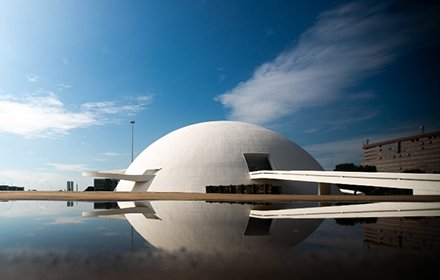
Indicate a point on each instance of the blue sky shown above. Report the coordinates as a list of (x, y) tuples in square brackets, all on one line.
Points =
[(328, 75)]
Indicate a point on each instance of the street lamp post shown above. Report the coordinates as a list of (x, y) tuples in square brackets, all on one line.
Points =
[(132, 139), (132, 157)]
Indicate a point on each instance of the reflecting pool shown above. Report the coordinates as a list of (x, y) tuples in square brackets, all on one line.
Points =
[(70, 240)]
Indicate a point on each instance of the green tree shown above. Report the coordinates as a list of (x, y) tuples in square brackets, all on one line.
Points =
[(351, 167), (355, 168)]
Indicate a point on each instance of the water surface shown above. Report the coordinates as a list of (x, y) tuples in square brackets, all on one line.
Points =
[(53, 240)]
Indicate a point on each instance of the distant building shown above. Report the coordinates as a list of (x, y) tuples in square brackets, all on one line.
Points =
[(412, 153), (70, 186), (10, 188)]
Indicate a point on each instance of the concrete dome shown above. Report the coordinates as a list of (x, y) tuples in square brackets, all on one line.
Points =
[(212, 153), (215, 153)]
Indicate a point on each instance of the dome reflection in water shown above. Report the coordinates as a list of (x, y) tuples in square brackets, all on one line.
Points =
[(199, 226)]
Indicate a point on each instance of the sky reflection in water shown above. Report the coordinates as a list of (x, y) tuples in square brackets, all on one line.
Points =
[(54, 226)]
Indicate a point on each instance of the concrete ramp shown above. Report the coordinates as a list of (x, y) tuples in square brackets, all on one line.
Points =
[(371, 210), (421, 184)]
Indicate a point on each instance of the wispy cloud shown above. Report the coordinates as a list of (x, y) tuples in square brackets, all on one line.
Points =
[(107, 156), (332, 153), (341, 120), (111, 233), (129, 106), (112, 154), (65, 61), (43, 114), (69, 166), (67, 220), (344, 45), (62, 86), (32, 78)]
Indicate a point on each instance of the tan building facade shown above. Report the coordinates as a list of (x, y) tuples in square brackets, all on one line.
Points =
[(409, 233), (417, 152)]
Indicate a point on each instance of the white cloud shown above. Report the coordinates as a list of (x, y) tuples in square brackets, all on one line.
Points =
[(43, 114), (32, 78), (343, 46), (40, 116)]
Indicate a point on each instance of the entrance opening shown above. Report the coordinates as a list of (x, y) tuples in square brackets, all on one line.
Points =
[(257, 162)]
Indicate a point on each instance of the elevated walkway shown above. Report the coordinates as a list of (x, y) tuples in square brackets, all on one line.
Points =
[(421, 184), (370, 210)]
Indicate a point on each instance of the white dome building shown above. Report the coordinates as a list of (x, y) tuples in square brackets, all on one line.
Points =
[(217, 153)]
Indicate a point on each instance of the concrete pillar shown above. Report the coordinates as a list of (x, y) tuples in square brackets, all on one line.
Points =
[(324, 188)]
